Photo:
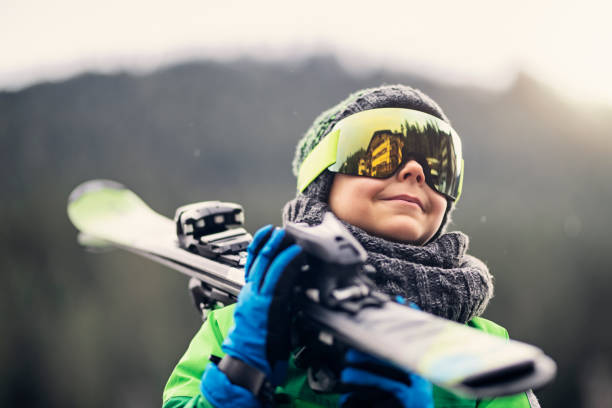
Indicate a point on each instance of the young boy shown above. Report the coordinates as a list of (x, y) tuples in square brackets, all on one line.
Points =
[(387, 163)]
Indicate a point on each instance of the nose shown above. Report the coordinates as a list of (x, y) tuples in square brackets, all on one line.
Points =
[(412, 170)]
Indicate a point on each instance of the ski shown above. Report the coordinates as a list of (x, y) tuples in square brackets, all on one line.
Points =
[(336, 303)]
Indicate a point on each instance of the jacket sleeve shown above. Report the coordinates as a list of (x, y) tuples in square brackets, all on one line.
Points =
[(183, 387), (522, 400)]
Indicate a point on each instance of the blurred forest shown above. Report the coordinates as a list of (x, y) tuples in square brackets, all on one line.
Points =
[(107, 329)]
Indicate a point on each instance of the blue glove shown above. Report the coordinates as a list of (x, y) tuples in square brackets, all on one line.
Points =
[(261, 333), (375, 383)]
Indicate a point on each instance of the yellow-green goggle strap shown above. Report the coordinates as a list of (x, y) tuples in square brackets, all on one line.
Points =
[(323, 156)]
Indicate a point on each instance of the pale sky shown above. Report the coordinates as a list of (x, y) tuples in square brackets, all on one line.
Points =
[(565, 44)]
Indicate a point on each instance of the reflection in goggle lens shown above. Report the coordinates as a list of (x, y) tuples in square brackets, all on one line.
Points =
[(387, 149)]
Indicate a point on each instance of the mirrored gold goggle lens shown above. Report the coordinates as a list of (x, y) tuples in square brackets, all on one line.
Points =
[(377, 142)]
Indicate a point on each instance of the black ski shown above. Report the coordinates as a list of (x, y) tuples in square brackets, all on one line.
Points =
[(338, 305)]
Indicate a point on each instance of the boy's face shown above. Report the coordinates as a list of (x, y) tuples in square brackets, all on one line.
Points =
[(399, 208)]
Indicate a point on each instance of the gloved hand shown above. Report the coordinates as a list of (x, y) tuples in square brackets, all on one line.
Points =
[(260, 337), (373, 382)]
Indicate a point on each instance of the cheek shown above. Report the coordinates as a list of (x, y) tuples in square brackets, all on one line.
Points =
[(439, 205), (351, 198)]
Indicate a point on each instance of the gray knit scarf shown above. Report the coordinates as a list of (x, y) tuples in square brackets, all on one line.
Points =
[(439, 276)]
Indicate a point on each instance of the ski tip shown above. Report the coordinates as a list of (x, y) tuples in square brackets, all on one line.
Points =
[(93, 185)]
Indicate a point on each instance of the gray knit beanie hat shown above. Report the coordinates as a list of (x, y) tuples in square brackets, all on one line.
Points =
[(386, 96)]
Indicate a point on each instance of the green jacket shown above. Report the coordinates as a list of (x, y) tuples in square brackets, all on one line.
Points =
[(183, 387)]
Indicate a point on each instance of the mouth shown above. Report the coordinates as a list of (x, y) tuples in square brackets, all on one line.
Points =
[(407, 199)]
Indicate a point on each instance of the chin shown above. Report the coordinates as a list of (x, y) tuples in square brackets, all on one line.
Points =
[(404, 236)]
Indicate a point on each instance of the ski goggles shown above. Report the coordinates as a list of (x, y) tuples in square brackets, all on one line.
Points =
[(377, 142)]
